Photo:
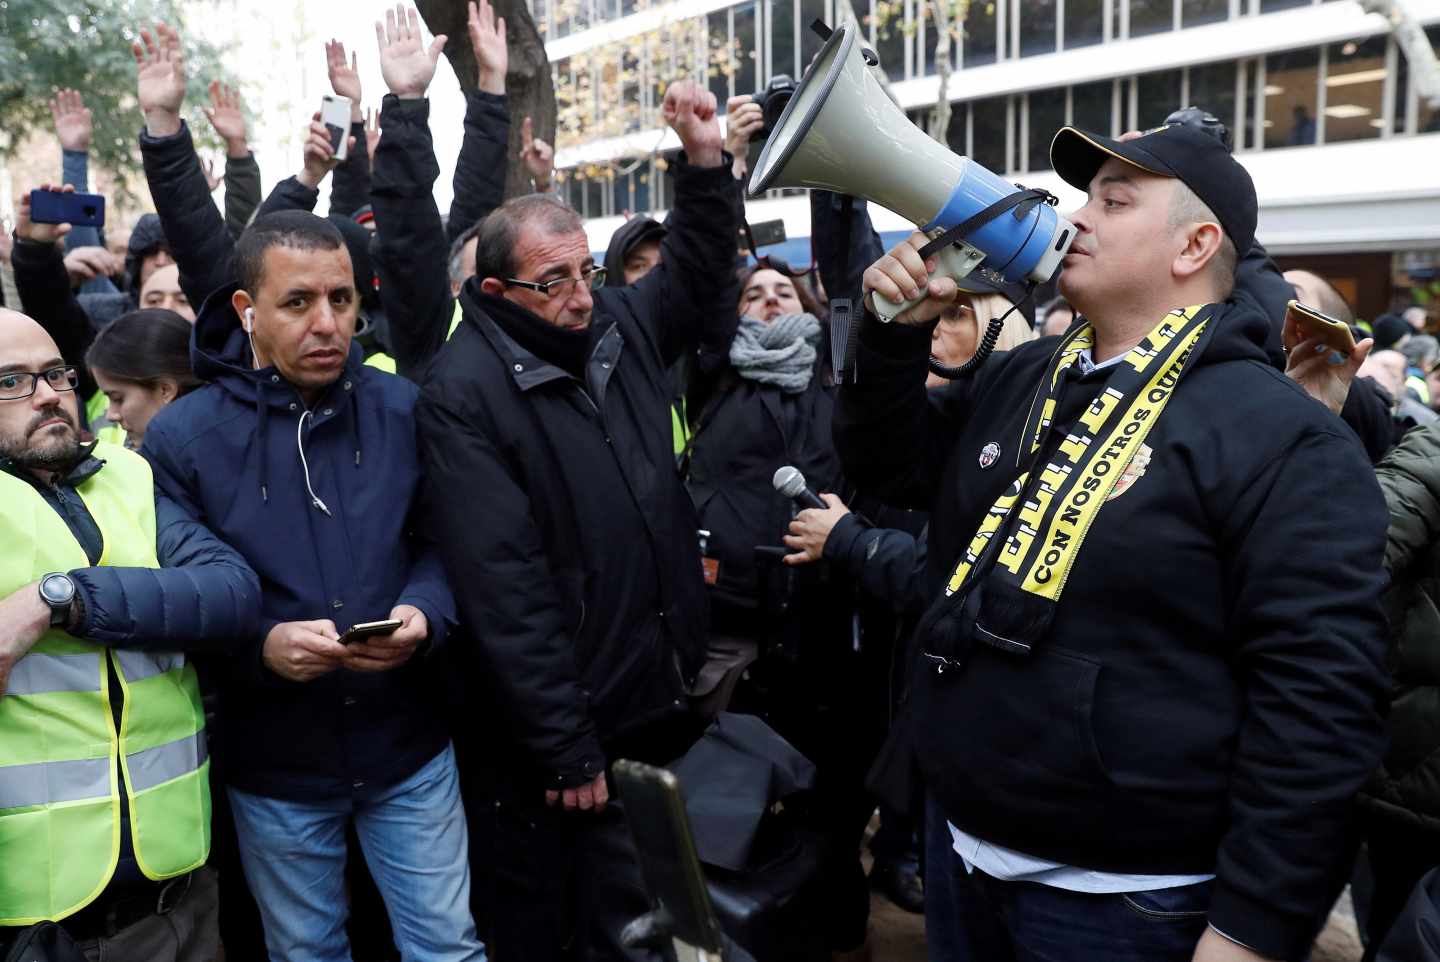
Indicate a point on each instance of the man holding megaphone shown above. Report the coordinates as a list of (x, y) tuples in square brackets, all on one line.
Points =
[(1144, 685)]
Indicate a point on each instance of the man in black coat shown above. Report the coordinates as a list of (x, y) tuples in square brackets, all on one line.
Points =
[(553, 497), (1145, 732)]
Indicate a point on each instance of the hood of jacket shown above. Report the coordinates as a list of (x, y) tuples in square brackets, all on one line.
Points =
[(623, 241), (220, 352)]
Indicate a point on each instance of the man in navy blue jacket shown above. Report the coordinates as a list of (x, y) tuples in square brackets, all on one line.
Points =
[(304, 459)]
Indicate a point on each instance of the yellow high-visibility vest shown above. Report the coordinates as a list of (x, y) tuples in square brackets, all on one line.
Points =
[(61, 755)]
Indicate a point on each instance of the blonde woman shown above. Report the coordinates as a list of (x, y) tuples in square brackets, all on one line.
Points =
[(956, 336)]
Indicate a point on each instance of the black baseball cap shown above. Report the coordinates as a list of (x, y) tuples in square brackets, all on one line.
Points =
[(1194, 157)]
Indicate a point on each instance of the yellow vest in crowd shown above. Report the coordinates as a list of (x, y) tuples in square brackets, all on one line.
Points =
[(60, 754)]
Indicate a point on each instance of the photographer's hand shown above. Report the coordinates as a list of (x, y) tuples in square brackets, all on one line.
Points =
[(743, 120)]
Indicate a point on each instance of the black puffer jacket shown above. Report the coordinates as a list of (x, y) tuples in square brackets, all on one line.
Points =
[(1406, 788), (557, 510)]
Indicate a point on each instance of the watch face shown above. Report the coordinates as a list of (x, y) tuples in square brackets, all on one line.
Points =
[(57, 589)]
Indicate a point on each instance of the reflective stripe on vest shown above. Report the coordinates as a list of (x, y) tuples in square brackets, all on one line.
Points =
[(60, 753)]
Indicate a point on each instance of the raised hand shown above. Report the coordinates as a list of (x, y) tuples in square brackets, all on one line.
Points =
[(406, 63), (689, 109), (212, 179), (72, 120), (226, 114), (487, 39), (319, 155), (537, 156), (344, 76), (26, 230), (372, 132), (87, 263), (161, 87)]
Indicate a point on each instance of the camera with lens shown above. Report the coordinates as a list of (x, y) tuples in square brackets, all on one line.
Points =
[(1201, 120), (773, 100)]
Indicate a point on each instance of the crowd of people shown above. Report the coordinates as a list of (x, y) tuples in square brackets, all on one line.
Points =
[(346, 554)]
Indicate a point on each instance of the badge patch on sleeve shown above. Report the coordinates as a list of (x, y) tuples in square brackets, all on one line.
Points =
[(989, 454)]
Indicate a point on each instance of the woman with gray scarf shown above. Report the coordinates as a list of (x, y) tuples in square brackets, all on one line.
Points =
[(788, 631)]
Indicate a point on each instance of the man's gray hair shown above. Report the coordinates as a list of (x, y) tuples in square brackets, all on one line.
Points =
[(457, 254), (498, 233), (1421, 350), (1187, 208)]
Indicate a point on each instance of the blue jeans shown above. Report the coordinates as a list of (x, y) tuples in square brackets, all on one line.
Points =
[(414, 838), (971, 917)]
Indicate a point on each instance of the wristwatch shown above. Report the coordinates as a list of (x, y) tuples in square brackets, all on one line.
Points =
[(57, 590)]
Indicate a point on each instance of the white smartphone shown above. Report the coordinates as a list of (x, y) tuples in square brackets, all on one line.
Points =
[(335, 115)]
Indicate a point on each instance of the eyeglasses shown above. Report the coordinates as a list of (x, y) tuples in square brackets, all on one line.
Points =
[(21, 384), (594, 278)]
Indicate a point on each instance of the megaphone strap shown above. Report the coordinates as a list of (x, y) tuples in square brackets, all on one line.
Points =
[(1022, 201)]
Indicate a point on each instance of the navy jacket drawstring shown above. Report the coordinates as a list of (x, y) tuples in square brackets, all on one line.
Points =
[(262, 412)]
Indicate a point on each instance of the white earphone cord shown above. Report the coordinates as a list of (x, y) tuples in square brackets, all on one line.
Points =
[(300, 443)]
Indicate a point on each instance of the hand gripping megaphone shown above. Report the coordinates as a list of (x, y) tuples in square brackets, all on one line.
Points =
[(842, 133)]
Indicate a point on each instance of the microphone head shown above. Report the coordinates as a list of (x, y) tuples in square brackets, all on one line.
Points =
[(789, 481)]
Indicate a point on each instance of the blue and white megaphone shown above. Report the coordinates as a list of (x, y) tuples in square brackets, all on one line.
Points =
[(842, 133)]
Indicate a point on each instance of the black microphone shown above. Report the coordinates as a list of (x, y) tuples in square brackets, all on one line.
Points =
[(791, 483)]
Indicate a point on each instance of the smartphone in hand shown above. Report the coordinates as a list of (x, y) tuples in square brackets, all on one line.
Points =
[(335, 115), (1303, 322), (77, 210), (369, 629)]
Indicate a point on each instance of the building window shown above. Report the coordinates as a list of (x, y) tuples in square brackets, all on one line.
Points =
[(1047, 115), (1151, 16), (1084, 23), (1355, 90), (644, 174), (1270, 6), (1212, 88), (782, 38), (722, 55), (1428, 117), (746, 54), (980, 34), (1037, 26), (989, 121), (1194, 13), (1091, 107), (1291, 82), (1157, 96)]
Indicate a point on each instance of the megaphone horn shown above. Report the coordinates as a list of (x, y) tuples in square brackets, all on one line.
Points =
[(840, 132)]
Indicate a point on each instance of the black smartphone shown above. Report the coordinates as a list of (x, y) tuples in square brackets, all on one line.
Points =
[(77, 210), (369, 629), (655, 813), (768, 232)]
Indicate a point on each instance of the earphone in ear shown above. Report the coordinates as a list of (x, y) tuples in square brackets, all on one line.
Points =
[(249, 324)]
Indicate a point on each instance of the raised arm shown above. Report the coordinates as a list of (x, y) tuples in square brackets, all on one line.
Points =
[(411, 261), (893, 435), (194, 229), (350, 189), (45, 290), (226, 114), (676, 301), (480, 170), (74, 128)]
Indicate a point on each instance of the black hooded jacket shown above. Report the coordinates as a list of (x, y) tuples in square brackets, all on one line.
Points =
[(558, 512), (1210, 694)]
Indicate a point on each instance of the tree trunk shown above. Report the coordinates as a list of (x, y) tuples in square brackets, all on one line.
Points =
[(527, 84)]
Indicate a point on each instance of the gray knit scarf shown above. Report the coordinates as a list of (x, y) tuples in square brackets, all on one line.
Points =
[(781, 353)]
